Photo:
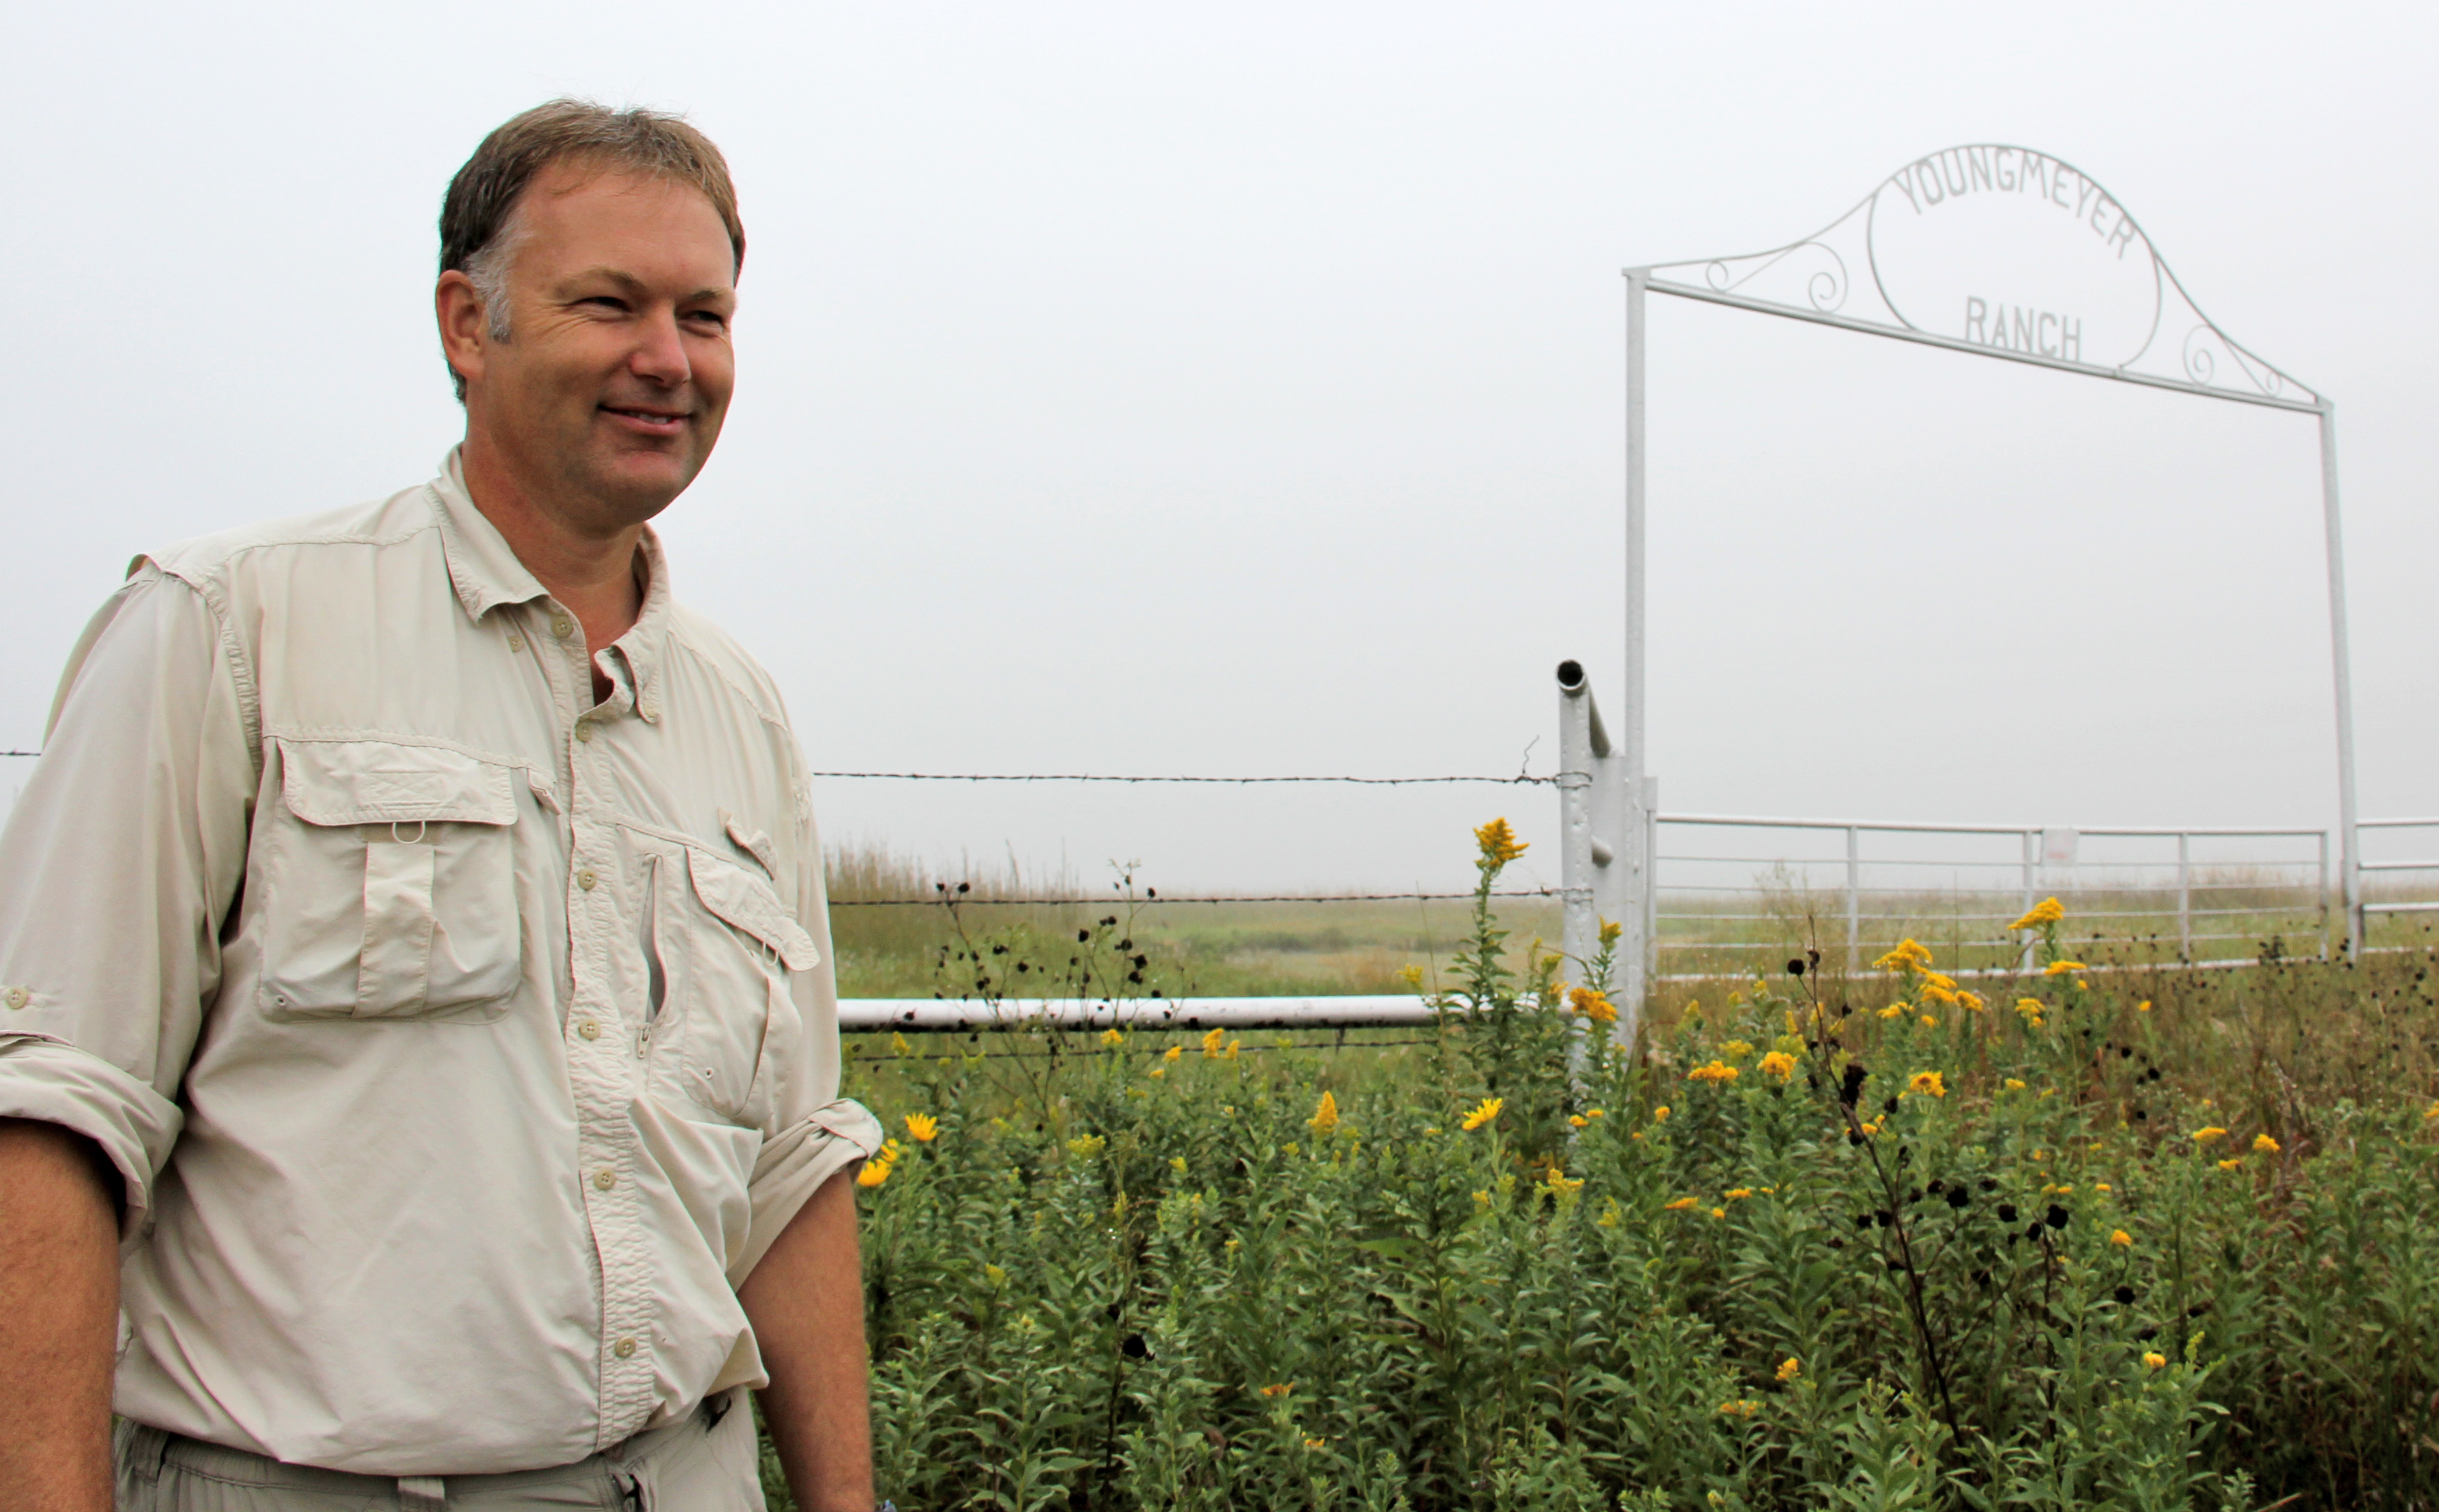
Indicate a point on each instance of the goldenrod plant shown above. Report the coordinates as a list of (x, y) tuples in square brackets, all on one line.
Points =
[(1910, 1238)]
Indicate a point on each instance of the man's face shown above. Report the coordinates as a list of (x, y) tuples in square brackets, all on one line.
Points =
[(610, 392)]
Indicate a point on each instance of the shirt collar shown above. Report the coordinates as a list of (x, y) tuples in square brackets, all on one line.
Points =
[(485, 572), (482, 566)]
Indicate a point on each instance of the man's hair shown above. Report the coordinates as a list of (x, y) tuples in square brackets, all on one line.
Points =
[(479, 226)]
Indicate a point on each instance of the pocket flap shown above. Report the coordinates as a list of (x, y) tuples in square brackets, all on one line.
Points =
[(373, 782), (745, 901)]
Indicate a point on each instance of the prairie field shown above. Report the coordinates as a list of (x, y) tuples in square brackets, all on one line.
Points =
[(2149, 1238)]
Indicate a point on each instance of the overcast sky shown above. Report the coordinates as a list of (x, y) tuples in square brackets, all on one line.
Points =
[(1239, 390)]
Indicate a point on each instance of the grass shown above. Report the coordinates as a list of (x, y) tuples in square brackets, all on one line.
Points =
[(2154, 1239)]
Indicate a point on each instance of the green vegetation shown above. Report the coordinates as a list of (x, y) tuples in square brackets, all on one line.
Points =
[(2155, 1239)]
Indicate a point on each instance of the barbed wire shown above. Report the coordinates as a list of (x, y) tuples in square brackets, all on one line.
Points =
[(20, 752), (1154, 897)]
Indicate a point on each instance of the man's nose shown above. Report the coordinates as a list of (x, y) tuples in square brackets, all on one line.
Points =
[(660, 354)]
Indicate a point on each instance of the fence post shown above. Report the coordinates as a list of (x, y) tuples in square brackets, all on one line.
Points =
[(1579, 926), (1646, 883), (2032, 859), (2325, 895), (2185, 893), (1854, 904)]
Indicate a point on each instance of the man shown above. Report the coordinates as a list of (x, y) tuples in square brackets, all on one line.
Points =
[(411, 943)]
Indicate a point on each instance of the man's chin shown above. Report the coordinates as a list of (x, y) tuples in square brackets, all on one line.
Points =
[(636, 484)]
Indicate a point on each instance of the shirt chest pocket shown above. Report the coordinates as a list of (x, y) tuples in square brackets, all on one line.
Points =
[(388, 885), (728, 949)]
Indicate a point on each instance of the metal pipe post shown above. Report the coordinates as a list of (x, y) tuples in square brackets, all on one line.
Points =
[(1635, 959), (2349, 847), (2325, 895), (1580, 931), (1854, 903), (2185, 895), (2032, 854)]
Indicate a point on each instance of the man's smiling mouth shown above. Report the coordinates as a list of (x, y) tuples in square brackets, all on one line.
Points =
[(656, 421)]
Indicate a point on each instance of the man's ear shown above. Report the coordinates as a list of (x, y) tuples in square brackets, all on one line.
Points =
[(464, 328)]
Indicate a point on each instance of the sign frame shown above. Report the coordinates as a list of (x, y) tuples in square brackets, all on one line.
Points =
[(1815, 282)]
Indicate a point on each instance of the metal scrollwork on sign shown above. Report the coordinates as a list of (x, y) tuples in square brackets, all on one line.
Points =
[(2002, 250)]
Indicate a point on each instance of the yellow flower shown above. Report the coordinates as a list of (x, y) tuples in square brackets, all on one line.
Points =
[(1737, 1193), (2062, 967), (1932, 993), (1317, 1443), (1113, 1038), (2264, 1145), (994, 1274), (1894, 1010), (2045, 912), (875, 1172), (1719, 1212), (2210, 1134), (1577, 1120), (1790, 1368), (1740, 1408), (1594, 1113), (1561, 1184), (1481, 1199), (1908, 956), (1211, 1043), (1611, 1216), (1971, 1001), (1325, 1115), (1927, 1083), (2155, 1360), (1592, 1005), (1872, 1128), (2015, 1084), (1174, 1052), (1499, 843), (1715, 1071), (1230, 1054), (1280, 1390), (1177, 1164), (1483, 1113), (1929, 1023), (1158, 1071), (1610, 930), (1411, 977), (2231, 1164), (1085, 1147), (1660, 1115), (2121, 1238), (2031, 1008), (2432, 1112), (1682, 1204), (1735, 1050), (1779, 1063), (923, 1127)]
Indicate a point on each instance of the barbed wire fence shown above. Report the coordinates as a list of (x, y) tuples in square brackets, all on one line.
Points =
[(961, 894)]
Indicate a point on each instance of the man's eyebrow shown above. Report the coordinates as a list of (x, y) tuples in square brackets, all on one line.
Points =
[(629, 283)]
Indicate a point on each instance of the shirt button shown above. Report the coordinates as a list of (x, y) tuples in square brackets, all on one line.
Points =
[(623, 1348), (605, 1178), (562, 627), (585, 879), (584, 730), (516, 643), (18, 997), (589, 1029)]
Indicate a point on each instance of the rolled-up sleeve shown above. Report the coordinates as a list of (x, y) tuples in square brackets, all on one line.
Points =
[(812, 1134), (117, 866)]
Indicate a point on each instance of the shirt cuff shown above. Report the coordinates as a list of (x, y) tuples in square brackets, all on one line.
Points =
[(53, 1082), (793, 1164)]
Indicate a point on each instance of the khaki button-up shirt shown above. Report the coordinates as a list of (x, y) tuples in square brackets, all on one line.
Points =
[(463, 1043)]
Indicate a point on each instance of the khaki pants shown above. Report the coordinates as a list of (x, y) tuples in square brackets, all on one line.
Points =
[(709, 1463)]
